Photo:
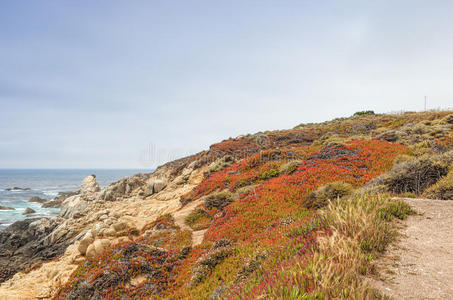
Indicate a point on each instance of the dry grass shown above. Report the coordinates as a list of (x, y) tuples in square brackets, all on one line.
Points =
[(360, 230)]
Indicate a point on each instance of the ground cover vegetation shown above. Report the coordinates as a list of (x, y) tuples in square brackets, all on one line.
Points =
[(292, 214)]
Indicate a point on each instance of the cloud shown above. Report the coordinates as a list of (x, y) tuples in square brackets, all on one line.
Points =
[(86, 84)]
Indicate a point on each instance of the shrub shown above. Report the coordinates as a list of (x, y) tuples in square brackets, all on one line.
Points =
[(199, 219), (416, 175), (443, 189), (270, 174), (289, 167), (364, 112), (246, 190), (221, 163), (219, 200), (330, 191)]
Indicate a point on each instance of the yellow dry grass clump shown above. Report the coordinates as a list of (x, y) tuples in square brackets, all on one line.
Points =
[(361, 228)]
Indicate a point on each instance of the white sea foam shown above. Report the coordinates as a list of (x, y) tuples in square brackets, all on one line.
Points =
[(50, 193)]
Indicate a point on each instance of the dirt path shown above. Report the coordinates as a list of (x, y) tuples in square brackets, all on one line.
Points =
[(180, 215), (420, 264)]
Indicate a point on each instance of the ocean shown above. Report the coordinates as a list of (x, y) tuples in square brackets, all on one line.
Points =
[(45, 184)]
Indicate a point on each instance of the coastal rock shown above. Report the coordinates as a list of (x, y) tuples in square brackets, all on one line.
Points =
[(51, 204), (72, 206), (37, 199), (22, 245), (89, 188), (85, 242), (120, 226), (40, 227), (18, 189), (65, 195), (97, 247), (124, 188), (62, 196), (158, 185), (6, 208), (154, 187), (28, 211)]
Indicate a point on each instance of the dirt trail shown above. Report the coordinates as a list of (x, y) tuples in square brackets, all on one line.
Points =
[(180, 215), (420, 264)]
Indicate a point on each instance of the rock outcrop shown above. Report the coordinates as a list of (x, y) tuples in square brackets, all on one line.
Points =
[(124, 188), (37, 199), (74, 206), (56, 203), (89, 188), (22, 245), (6, 208), (28, 211), (154, 187), (18, 189)]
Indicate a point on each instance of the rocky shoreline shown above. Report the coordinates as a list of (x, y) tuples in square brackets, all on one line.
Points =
[(26, 243), (37, 255)]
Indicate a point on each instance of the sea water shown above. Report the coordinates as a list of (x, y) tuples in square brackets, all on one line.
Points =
[(45, 184)]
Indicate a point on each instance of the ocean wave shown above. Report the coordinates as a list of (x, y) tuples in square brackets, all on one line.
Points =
[(50, 193)]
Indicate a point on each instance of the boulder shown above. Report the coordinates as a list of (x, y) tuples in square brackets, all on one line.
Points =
[(90, 251), (97, 247), (28, 211), (158, 185), (110, 231), (37, 199), (120, 226), (86, 241), (154, 187)]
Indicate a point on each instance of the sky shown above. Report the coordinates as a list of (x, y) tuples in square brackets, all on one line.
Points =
[(132, 84)]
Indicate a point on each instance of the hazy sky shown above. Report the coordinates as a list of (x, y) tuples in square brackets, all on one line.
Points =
[(128, 84)]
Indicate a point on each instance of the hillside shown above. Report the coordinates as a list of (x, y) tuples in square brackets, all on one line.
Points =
[(298, 213)]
